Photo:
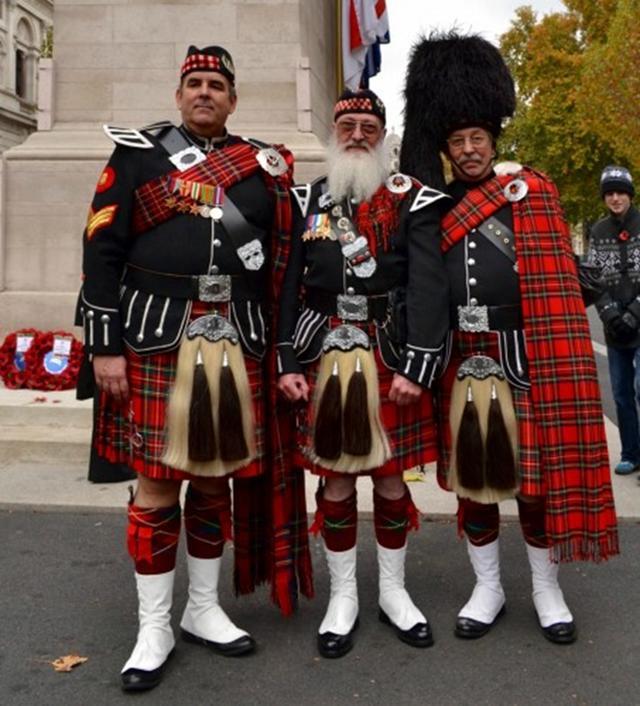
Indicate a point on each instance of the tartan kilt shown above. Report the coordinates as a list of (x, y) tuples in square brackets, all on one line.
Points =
[(466, 345), (150, 381), (411, 429)]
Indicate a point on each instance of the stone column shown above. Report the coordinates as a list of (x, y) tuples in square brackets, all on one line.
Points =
[(117, 62)]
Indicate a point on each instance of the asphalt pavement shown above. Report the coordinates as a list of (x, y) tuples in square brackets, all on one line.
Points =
[(67, 588)]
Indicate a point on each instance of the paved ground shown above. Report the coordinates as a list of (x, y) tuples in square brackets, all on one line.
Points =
[(67, 588)]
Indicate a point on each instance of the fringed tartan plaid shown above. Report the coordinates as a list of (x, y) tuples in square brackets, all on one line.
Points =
[(581, 520), (290, 567)]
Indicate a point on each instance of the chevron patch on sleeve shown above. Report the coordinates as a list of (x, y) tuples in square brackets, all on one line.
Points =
[(100, 219)]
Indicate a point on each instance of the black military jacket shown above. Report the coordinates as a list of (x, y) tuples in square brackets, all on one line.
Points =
[(614, 249), (411, 323), (481, 274), (120, 302)]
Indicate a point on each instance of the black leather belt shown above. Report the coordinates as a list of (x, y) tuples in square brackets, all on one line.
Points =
[(479, 318), (350, 307), (208, 288)]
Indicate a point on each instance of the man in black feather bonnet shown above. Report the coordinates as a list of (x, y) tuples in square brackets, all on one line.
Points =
[(519, 404)]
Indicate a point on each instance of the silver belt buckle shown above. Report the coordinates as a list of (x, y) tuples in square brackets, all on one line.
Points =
[(214, 288), (352, 307), (473, 318)]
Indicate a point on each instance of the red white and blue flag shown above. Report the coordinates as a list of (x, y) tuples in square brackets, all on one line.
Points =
[(365, 25)]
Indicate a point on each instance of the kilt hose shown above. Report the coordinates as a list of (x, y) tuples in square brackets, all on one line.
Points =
[(410, 429), (150, 381)]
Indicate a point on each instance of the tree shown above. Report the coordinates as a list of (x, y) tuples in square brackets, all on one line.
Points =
[(558, 127)]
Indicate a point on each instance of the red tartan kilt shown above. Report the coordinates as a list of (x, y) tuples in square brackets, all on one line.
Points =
[(466, 345), (410, 429), (150, 381)]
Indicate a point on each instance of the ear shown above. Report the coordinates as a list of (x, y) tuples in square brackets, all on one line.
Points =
[(179, 96)]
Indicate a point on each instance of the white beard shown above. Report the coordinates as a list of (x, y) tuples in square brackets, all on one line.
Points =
[(355, 174)]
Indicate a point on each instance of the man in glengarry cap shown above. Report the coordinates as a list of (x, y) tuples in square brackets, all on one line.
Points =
[(176, 306)]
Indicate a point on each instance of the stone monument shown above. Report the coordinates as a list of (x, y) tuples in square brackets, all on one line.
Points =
[(116, 62)]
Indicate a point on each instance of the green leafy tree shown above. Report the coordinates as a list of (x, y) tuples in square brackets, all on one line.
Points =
[(550, 58)]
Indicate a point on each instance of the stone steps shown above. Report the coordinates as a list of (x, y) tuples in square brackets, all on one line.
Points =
[(51, 428)]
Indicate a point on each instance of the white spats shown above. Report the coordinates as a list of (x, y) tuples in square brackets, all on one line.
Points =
[(342, 610), (547, 594), (487, 598), (155, 636), (394, 599)]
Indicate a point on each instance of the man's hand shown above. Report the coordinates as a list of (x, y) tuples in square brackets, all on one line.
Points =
[(294, 387), (110, 372), (623, 328), (403, 391)]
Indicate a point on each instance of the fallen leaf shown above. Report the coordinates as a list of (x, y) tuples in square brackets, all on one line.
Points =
[(68, 662)]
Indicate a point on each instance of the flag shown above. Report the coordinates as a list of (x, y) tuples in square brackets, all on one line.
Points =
[(365, 25)]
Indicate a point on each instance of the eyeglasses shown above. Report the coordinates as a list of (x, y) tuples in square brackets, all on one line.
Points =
[(367, 128), (457, 143)]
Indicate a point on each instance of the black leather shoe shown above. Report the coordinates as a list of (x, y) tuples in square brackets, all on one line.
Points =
[(470, 629), (242, 646), (418, 636), (141, 679), (561, 633), (331, 645)]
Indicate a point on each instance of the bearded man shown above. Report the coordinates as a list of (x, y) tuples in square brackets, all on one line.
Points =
[(519, 403), (358, 350)]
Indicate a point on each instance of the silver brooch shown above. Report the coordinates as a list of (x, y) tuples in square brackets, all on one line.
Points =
[(271, 161), (516, 190), (398, 183)]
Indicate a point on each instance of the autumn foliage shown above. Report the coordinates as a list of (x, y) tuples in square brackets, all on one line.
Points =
[(578, 79)]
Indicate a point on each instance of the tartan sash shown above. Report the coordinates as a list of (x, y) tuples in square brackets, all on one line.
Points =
[(222, 167), (580, 513)]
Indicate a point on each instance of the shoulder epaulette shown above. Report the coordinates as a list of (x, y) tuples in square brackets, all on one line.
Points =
[(507, 168), (127, 136), (158, 127), (302, 193), (425, 197)]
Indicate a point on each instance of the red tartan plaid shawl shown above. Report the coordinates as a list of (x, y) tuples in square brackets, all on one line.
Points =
[(223, 167), (291, 571), (580, 513)]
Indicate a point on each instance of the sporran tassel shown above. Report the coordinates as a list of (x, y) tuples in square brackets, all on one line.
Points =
[(327, 435), (357, 429), (469, 447), (500, 465), (233, 445), (202, 444)]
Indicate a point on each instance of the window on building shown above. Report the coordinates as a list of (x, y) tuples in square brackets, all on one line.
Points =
[(21, 78)]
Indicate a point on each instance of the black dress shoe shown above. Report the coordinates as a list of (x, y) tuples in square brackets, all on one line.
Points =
[(561, 633), (242, 646), (142, 679), (418, 636), (332, 645), (470, 629)]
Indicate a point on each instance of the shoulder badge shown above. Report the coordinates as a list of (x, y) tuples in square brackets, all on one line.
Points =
[(187, 158), (507, 168), (272, 161), (425, 197), (302, 193), (127, 136), (516, 190), (399, 183)]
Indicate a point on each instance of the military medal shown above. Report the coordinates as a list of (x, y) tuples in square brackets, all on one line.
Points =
[(516, 190), (272, 161)]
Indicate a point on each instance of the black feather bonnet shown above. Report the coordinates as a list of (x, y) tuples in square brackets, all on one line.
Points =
[(453, 81)]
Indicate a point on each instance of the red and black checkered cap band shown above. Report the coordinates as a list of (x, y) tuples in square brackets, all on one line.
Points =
[(209, 59), (363, 101)]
